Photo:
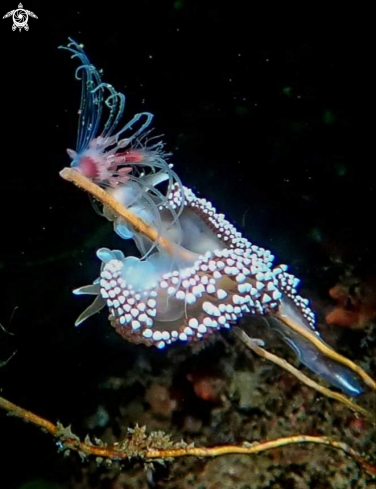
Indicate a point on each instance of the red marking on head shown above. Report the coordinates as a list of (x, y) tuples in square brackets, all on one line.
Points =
[(88, 167)]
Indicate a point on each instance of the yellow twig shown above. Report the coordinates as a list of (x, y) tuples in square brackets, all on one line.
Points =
[(138, 224), (119, 452), (28, 416), (326, 350), (302, 377), (258, 447)]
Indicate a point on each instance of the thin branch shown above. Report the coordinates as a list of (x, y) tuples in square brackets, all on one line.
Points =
[(157, 446), (302, 377), (138, 224)]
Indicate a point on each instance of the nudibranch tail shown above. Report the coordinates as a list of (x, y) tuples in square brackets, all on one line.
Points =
[(309, 355)]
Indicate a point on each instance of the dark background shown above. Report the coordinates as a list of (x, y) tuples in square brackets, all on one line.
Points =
[(267, 114)]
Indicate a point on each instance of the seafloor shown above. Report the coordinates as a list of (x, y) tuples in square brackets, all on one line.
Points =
[(224, 395), (217, 394)]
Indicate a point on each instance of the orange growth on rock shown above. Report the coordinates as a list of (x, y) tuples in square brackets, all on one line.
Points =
[(356, 304)]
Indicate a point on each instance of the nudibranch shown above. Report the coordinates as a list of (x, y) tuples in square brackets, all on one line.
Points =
[(213, 277)]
